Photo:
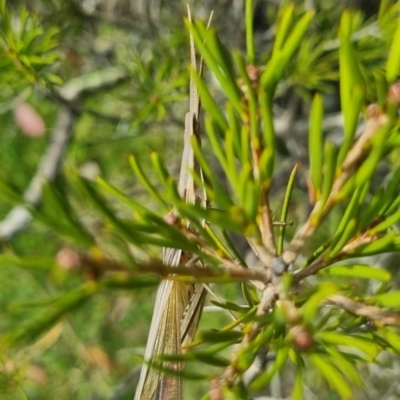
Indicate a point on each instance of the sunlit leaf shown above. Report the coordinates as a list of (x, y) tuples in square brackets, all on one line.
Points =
[(218, 336), (311, 306), (359, 271), (331, 375), (388, 300), (315, 146), (362, 344), (393, 62), (277, 365)]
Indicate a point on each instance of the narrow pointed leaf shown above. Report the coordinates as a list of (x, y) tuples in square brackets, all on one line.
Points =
[(279, 61), (218, 336), (310, 308), (393, 63), (264, 378), (285, 209), (315, 146), (284, 27), (389, 300), (146, 183), (331, 375), (359, 271), (381, 245), (209, 104), (330, 155), (364, 345)]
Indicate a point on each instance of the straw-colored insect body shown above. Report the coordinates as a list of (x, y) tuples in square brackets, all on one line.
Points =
[(178, 306)]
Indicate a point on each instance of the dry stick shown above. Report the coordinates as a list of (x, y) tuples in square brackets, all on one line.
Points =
[(371, 312), (100, 266), (318, 265)]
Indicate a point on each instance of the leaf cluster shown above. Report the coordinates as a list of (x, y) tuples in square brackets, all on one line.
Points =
[(305, 305)]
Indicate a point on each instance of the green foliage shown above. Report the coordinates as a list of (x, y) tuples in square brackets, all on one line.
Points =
[(327, 326), (27, 48)]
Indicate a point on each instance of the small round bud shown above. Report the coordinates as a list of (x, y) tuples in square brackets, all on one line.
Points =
[(69, 260), (216, 392), (252, 71), (29, 120), (373, 111), (171, 219), (301, 337), (394, 94)]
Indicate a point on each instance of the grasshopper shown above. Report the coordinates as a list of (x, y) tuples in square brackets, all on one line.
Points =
[(178, 306)]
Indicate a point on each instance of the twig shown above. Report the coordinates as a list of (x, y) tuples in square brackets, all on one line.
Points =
[(318, 265), (97, 267), (348, 166), (267, 301), (371, 312)]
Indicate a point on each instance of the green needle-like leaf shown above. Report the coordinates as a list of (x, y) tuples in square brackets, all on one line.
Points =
[(165, 177), (391, 192), (297, 393), (209, 104), (217, 191), (315, 146), (279, 61), (387, 223), (331, 375), (389, 300), (267, 119), (359, 271), (312, 305), (329, 169), (284, 27), (137, 170), (367, 346), (369, 213), (218, 336), (347, 226), (285, 209), (216, 59), (264, 378), (351, 85), (246, 356), (37, 325), (380, 245), (393, 62), (249, 32), (368, 168)]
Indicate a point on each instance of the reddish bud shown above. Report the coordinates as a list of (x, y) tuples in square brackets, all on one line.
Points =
[(373, 111), (69, 260), (216, 392), (36, 374), (301, 338), (171, 218), (394, 94), (252, 71), (28, 120)]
